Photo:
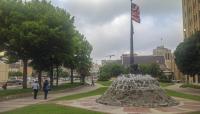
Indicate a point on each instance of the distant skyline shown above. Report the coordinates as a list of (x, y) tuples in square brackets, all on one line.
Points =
[(106, 25)]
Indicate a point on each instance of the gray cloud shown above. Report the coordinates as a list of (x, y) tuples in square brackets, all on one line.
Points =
[(106, 24)]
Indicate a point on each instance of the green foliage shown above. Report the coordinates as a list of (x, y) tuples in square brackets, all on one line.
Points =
[(163, 78), (63, 73), (13, 73), (188, 55), (111, 70), (79, 59), (38, 31), (190, 86), (84, 59), (50, 109), (152, 69), (99, 91)]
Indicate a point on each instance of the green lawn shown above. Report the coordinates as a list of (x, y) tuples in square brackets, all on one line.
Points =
[(165, 84), (182, 95), (99, 91), (105, 83), (5, 93), (50, 109), (65, 86), (22, 92), (194, 112)]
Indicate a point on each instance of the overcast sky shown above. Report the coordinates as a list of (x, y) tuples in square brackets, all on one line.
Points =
[(106, 25)]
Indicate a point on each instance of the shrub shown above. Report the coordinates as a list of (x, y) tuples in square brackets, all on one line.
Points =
[(190, 86)]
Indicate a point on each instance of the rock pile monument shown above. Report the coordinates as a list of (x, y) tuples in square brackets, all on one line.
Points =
[(136, 90)]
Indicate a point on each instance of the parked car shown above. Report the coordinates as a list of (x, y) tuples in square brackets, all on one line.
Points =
[(14, 82), (65, 79), (176, 81)]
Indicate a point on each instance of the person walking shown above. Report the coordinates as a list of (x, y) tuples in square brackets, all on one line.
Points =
[(46, 88), (92, 84), (35, 87), (5, 86)]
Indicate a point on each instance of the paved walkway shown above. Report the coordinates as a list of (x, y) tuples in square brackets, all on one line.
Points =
[(21, 102), (89, 103), (176, 87)]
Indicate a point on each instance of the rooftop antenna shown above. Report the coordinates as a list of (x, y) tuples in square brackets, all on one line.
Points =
[(162, 42)]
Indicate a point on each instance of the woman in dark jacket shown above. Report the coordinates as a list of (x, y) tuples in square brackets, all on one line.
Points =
[(46, 88)]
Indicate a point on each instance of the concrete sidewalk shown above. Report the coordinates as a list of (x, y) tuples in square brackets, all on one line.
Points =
[(90, 103), (21, 102), (176, 87)]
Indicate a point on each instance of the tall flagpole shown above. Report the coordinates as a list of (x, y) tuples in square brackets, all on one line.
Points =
[(131, 44)]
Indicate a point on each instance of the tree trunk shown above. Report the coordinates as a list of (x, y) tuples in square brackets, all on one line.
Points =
[(51, 76), (188, 77), (194, 78), (82, 79), (72, 77), (25, 62), (40, 78), (57, 75)]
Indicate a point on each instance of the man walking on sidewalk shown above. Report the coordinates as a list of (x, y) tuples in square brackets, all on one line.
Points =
[(35, 87), (46, 88)]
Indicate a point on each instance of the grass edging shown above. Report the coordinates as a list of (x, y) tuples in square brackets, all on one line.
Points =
[(98, 91), (105, 83), (182, 95)]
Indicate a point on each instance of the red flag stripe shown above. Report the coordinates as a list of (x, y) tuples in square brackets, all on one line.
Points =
[(135, 13)]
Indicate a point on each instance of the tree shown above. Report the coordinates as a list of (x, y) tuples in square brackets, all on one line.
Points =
[(111, 70), (37, 31), (63, 73), (84, 60), (14, 30), (53, 42), (188, 55), (152, 69), (72, 60), (15, 73)]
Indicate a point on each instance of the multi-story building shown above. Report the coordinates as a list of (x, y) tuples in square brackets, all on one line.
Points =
[(3, 72), (191, 17), (191, 24), (103, 62), (147, 59), (162, 51), (170, 65), (14, 67)]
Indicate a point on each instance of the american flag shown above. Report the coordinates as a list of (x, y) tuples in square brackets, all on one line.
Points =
[(135, 12)]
